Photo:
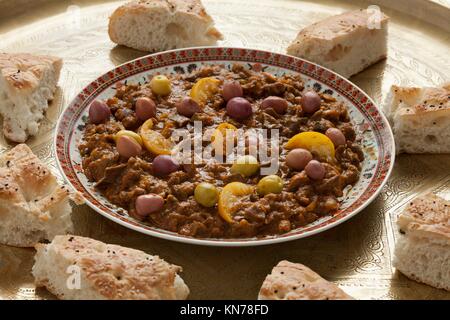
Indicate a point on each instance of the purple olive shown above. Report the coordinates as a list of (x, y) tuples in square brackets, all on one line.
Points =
[(188, 107), (232, 89), (239, 108), (145, 108), (315, 170), (279, 105), (310, 102), (148, 204), (336, 136), (297, 159), (99, 112), (164, 165), (128, 147)]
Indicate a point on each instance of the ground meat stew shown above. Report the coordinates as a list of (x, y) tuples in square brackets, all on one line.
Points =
[(128, 152)]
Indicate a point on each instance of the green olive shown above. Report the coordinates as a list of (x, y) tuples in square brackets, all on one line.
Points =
[(269, 184), (206, 194), (245, 165), (160, 85)]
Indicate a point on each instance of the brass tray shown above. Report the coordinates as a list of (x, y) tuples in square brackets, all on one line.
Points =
[(356, 255)]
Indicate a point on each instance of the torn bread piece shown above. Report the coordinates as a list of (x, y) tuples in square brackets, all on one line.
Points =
[(422, 253), (33, 205), (420, 118), (347, 43), (159, 25), (100, 271), (294, 281), (27, 83)]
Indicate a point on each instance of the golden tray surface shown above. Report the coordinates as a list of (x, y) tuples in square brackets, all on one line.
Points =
[(356, 255)]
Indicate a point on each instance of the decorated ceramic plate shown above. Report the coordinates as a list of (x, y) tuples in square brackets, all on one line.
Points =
[(373, 134)]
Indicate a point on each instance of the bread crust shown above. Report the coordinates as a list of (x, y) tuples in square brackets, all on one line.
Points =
[(417, 113), (332, 41), (420, 101), (294, 281), (190, 11), (31, 199), (427, 216), (422, 253), (338, 25), (108, 271), (23, 71), (28, 82)]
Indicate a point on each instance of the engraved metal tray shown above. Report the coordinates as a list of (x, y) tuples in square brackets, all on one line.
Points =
[(356, 255)]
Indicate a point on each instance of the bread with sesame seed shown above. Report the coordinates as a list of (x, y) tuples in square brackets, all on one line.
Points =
[(420, 118), (78, 268), (27, 83), (294, 281), (33, 205), (346, 43), (422, 252), (159, 25)]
